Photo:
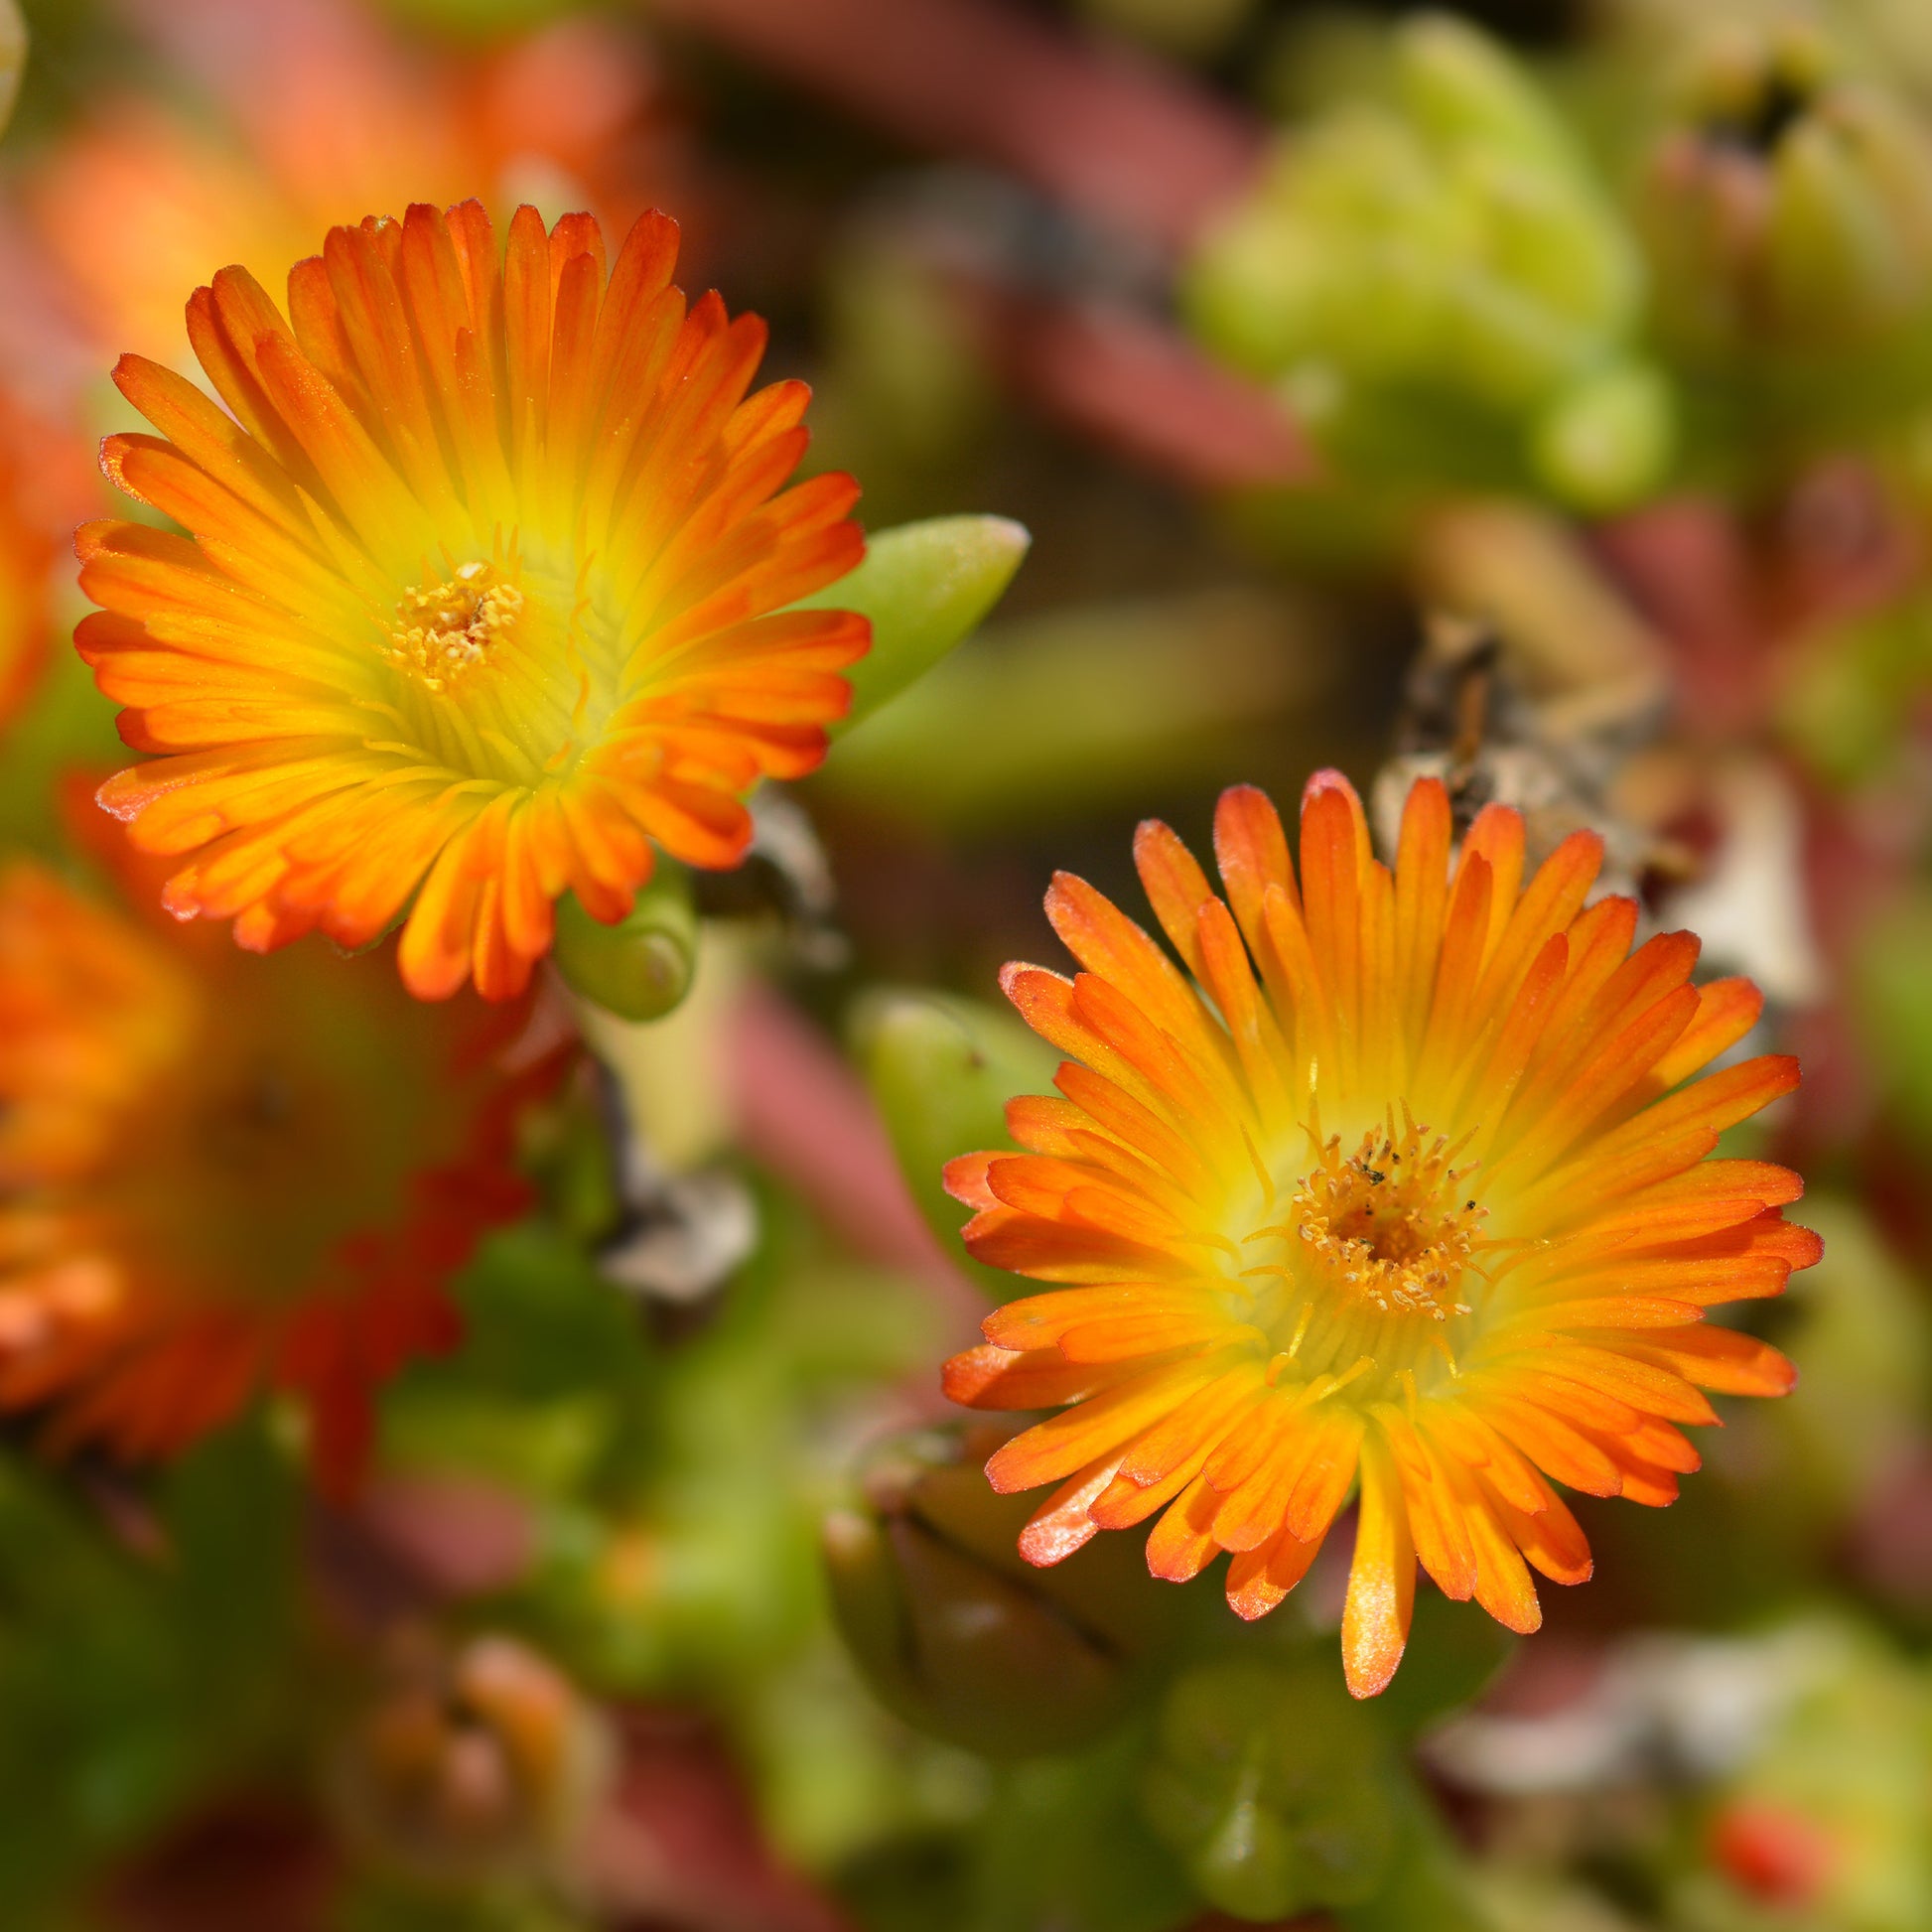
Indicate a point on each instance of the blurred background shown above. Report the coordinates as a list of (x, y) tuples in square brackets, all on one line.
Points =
[(1535, 393)]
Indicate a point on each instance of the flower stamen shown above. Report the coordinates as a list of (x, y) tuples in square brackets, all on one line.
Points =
[(446, 629), (1383, 1224)]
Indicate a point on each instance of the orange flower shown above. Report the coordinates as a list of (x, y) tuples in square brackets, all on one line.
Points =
[(1403, 1193), (486, 592), (27, 551), (321, 115), (220, 1177)]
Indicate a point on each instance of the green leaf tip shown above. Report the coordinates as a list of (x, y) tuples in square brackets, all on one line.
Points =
[(926, 587)]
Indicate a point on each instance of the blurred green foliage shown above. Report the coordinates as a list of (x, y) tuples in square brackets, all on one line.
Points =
[(925, 588), (1441, 290), (136, 1675)]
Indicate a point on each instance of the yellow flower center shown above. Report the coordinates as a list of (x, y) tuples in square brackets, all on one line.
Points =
[(1367, 1272), (1383, 1225), (509, 666), (444, 630)]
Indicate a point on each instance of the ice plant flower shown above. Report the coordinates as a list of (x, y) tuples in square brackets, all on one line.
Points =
[(222, 1176), (483, 597), (1401, 1193)]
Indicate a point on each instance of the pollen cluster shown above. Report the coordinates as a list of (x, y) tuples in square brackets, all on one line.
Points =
[(1385, 1224), (447, 628)]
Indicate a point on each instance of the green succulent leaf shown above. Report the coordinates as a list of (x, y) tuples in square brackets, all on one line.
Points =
[(926, 587)]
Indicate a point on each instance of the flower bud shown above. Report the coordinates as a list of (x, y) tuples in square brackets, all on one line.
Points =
[(957, 1633), (1272, 1785), (469, 1764), (640, 967), (941, 1070)]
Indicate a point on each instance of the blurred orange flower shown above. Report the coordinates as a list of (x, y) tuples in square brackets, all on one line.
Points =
[(487, 594), (323, 118), (1403, 1191), (27, 552), (219, 1176)]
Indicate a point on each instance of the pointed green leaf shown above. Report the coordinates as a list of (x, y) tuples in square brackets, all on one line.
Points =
[(926, 587)]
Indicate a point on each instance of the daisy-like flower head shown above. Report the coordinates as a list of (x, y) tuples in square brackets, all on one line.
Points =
[(485, 595), (1400, 1190), (220, 1177)]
